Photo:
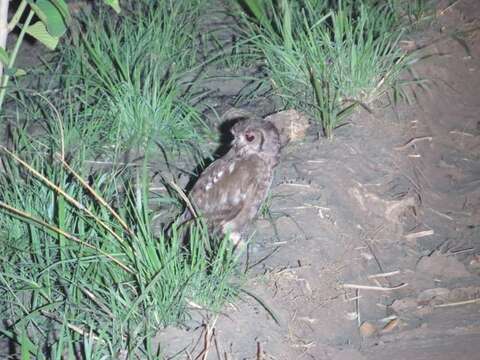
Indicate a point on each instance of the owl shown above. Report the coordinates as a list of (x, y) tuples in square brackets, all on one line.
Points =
[(229, 192)]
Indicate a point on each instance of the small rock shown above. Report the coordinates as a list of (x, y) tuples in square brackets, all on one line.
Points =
[(391, 325), (291, 124), (439, 265), (367, 329)]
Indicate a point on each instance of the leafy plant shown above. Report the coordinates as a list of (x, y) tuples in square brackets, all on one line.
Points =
[(53, 19), (95, 276), (329, 59), (132, 69)]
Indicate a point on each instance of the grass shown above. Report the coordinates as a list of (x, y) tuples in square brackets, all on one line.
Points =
[(83, 272), (132, 70), (77, 274), (327, 59)]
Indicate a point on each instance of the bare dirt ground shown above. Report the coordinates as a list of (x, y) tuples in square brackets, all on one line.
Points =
[(374, 248)]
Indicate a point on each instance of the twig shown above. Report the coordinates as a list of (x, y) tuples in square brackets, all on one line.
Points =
[(297, 185), (357, 307), (306, 206), (374, 288), (413, 141), (461, 133), (419, 234), (440, 214), (440, 13), (383, 275), (463, 251), (207, 340), (74, 328), (259, 351), (458, 303)]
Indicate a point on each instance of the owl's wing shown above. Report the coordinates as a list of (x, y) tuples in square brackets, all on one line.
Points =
[(229, 189)]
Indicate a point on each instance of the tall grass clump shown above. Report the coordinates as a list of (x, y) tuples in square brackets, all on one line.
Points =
[(132, 68), (82, 272), (325, 58)]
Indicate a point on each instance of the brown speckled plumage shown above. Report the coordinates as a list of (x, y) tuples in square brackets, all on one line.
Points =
[(230, 191)]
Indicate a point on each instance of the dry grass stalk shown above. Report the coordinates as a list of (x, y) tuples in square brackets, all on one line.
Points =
[(419, 234), (63, 233), (373, 288), (413, 141), (184, 198), (383, 275), (60, 191), (458, 303), (95, 194)]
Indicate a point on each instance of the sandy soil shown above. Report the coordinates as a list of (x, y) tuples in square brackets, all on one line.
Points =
[(374, 248)]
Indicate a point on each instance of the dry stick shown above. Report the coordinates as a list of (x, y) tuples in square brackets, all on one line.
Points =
[(215, 342), (357, 307), (413, 141), (59, 190), (63, 233), (375, 288), (440, 214), (383, 275), (440, 13), (461, 133), (92, 296), (207, 340), (184, 198), (95, 195), (463, 251), (419, 234), (259, 351), (466, 302), (74, 328)]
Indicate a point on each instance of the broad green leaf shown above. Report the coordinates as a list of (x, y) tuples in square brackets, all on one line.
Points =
[(114, 4), (63, 8), (39, 32), (51, 16), (4, 57)]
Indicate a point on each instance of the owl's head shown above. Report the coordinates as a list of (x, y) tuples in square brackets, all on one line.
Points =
[(257, 137)]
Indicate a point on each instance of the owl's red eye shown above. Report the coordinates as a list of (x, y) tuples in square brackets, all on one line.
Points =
[(250, 137)]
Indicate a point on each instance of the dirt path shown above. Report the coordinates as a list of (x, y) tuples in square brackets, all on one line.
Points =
[(396, 193)]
